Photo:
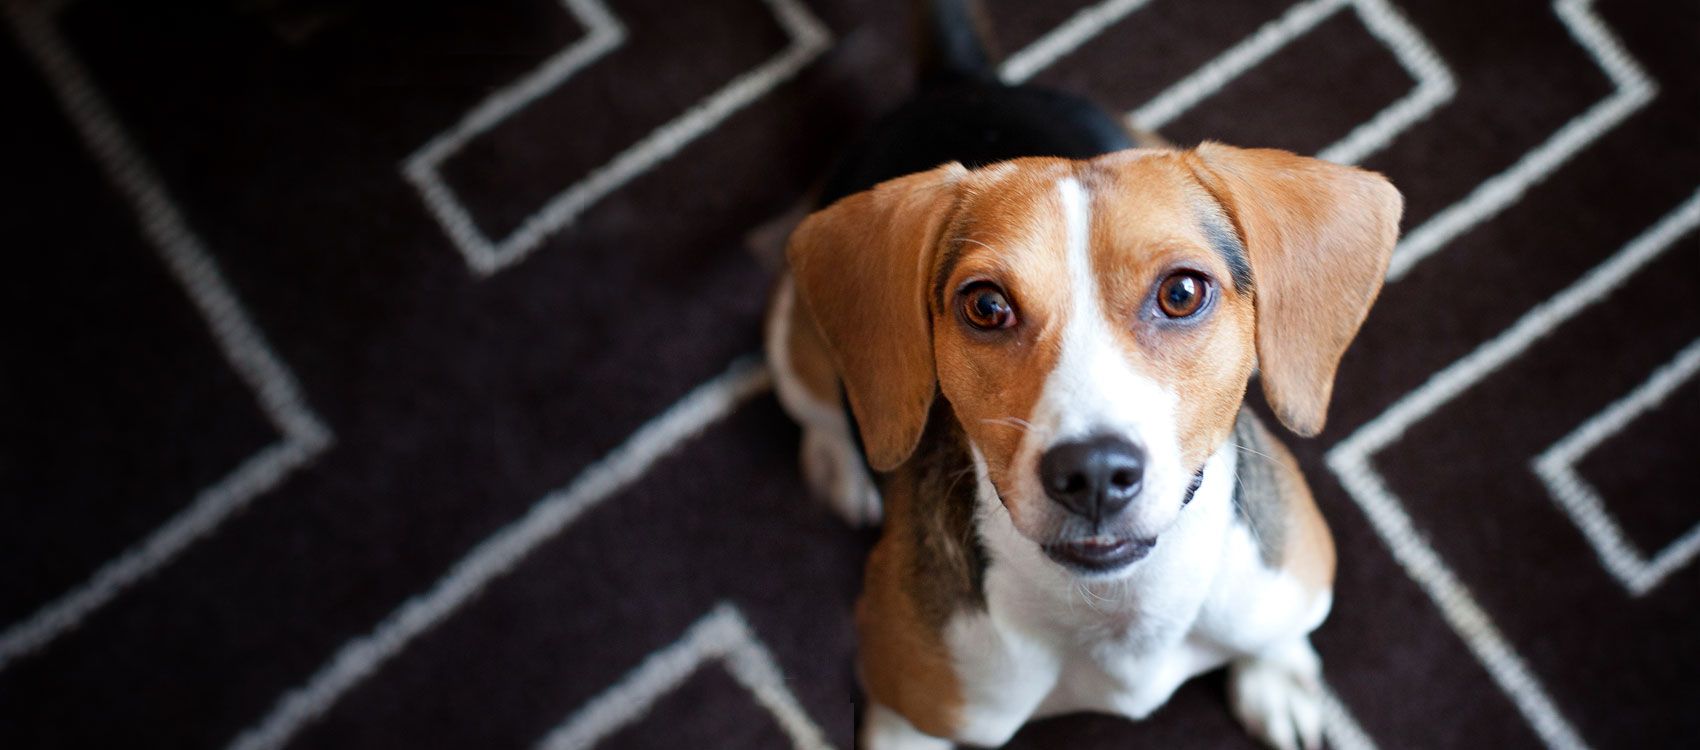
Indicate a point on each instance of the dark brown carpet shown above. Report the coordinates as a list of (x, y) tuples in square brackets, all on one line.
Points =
[(286, 460)]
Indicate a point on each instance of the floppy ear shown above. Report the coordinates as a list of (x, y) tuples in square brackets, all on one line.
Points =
[(862, 267), (1319, 236)]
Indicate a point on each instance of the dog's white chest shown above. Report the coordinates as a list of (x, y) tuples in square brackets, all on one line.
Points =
[(1049, 644), (1120, 679)]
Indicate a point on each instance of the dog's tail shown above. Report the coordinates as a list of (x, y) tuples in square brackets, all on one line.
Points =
[(952, 43)]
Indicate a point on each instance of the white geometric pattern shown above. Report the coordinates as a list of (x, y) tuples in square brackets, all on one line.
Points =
[(1067, 37), (721, 635), (1350, 460), (362, 656), (1632, 90), (304, 436), (1434, 81), (1556, 467), (808, 38), (499, 553)]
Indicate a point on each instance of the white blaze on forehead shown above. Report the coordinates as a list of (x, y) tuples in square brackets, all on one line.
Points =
[(1093, 388), (1077, 234), (1088, 351)]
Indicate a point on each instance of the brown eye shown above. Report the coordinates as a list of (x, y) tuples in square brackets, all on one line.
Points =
[(1181, 294), (985, 307)]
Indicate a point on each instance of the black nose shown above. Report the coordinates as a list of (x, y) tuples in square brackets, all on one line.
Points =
[(1094, 478)]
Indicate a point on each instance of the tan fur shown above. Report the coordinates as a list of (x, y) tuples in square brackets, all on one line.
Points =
[(1310, 553), (861, 266), (1320, 236), (903, 659), (923, 570)]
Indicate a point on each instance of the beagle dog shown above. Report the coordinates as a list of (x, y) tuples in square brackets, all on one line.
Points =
[(1040, 349)]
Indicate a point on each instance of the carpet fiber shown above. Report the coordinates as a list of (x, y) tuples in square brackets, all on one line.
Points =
[(387, 374)]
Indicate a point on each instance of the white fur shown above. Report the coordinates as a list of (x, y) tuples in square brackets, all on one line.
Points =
[(831, 464)]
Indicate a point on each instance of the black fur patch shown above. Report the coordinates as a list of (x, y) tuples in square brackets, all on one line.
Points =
[(1192, 489), (1227, 244), (949, 560), (1258, 501)]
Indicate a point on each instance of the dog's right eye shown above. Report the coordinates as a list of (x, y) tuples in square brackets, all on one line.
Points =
[(1181, 294), (985, 307)]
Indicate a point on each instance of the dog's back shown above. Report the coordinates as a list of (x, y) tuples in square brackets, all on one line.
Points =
[(962, 112)]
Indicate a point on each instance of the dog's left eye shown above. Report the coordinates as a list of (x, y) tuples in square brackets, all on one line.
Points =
[(1181, 294), (985, 307)]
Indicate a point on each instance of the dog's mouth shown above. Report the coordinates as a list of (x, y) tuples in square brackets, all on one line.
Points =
[(1099, 554)]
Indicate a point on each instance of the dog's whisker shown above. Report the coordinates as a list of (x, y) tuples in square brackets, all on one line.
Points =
[(950, 491), (1250, 524), (1087, 589), (1017, 423), (1253, 452), (1087, 596)]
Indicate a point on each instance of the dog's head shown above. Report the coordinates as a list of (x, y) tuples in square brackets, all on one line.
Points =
[(1093, 324)]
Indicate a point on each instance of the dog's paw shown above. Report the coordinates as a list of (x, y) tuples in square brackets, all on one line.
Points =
[(1279, 698), (834, 471), (885, 729)]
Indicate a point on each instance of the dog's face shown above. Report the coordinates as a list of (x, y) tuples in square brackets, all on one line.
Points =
[(1089, 334), (1093, 324)]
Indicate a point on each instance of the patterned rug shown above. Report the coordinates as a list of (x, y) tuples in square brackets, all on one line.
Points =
[(386, 374)]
